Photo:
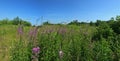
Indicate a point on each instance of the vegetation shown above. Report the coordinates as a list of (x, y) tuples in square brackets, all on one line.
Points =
[(76, 41), (15, 21)]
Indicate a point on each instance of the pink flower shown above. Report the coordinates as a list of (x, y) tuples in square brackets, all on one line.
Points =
[(36, 50)]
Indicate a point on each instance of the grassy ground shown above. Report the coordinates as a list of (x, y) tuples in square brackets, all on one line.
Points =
[(8, 35)]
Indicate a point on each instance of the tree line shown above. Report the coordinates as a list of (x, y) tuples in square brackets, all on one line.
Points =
[(113, 23), (15, 21)]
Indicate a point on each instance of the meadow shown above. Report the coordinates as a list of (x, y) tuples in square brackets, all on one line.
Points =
[(84, 42)]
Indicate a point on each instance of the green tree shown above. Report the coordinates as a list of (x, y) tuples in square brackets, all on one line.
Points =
[(74, 22), (26, 23), (103, 31), (91, 23), (98, 22), (16, 21), (116, 25), (47, 23), (5, 21)]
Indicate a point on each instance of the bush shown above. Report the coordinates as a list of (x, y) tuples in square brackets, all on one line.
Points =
[(103, 31)]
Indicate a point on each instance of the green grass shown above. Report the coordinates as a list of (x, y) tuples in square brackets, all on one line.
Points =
[(75, 41), (8, 34)]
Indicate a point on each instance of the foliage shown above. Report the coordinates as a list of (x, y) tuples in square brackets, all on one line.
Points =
[(47, 23), (74, 22), (102, 51), (103, 31), (99, 41), (15, 21)]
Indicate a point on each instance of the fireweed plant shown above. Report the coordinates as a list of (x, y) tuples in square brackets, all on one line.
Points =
[(62, 31), (34, 44), (19, 50), (61, 43), (25, 49)]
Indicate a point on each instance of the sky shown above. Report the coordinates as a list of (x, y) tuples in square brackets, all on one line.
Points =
[(58, 11)]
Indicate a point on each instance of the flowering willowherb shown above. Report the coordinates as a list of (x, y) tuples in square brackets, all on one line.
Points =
[(60, 54), (20, 30), (33, 32), (49, 30), (62, 31), (35, 53), (36, 50)]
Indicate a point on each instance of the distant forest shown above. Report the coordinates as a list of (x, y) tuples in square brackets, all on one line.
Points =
[(113, 23), (15, 21)]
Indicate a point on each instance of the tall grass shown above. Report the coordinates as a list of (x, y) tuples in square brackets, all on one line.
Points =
[(62, 43)]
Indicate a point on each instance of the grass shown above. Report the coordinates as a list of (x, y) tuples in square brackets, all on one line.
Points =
[(8, 34), (75, 42)]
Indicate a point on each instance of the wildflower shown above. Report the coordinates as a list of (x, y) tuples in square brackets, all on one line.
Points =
[(20, 30), (35, 55), (36, 50), (60, 54), (62, 31), (49, 30), (33, 32)]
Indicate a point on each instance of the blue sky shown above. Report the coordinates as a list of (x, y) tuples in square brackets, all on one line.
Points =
[(57, 11)]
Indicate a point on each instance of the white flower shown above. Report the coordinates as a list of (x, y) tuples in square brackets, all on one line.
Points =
[(60, 53)]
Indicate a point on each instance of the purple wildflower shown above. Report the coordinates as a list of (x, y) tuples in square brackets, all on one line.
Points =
[(36, 50), (33, 32), (62, 31), (20, 30), (35, 55), (49, 30)]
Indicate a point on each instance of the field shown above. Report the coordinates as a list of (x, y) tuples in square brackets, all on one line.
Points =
[(59, 30), (56, 43), (8, 34)]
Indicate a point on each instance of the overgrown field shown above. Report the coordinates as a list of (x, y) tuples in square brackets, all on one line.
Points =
[(59, 43)]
